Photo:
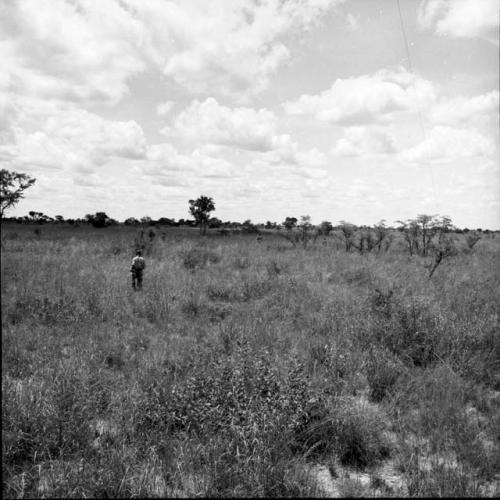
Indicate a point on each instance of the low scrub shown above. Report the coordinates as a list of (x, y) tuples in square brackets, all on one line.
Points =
[(198, 258)]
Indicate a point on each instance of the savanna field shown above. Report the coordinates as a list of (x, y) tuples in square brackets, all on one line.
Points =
[(246, 367)]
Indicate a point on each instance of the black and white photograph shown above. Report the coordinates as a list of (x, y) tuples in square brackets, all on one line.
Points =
[(250, 248)]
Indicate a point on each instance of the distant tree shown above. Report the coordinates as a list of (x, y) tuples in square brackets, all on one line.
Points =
[(249, 227), (131, 221), (214, 222), (290, 223), (200, 209), (165, 221), (348, 232), (326, 228), (59, 218), (99, 219), (38, 217), (305, 225), (420, 232), (146, 219), (12, 187)]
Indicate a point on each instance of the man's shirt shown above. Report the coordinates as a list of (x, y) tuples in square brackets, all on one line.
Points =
[(138, 263)]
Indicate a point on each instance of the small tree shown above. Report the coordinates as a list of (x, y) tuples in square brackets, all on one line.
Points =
[(249, 227), (215, 223), (325, 228), (99, 219), (305, 225), (200, 209), (348, 232), (12, 187), (290, 223), (411, 231), (381, 235)]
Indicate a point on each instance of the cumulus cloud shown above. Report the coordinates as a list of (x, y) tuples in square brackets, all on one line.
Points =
[(73, 139), (164, 108), (71, 50), (208, 121), (230, 45), (445, 144), (460, 18), (213, 126), (83, 51), (366, 98), (364, 141), (466, 109), (170, 167)]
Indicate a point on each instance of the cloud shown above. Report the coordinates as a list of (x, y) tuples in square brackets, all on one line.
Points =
[(366, 98), (76, 51), (215, 127), (460, 18), (230, 46), (81, 50), (169, 167), (72, 139), (363, 141), (208, 121), (164, 108), (460, 110), (446, 144)]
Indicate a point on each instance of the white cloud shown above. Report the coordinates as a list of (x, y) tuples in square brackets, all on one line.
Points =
[(208, 121), (164, 108), (461, 18), (72, 139), (363, 141), (169, 167), (83, 50), (466, 109), (71, 50), (214, 126), (446, 144), (232, 46), (366, 98)]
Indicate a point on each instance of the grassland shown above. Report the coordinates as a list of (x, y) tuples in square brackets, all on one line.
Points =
[(245, 367)]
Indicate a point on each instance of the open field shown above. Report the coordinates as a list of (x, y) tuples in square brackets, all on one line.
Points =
[(245, 367)]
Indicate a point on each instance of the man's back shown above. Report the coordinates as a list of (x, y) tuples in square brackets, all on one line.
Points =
[(138, 263)]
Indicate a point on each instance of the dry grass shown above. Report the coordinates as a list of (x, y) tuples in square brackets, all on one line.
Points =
[(241, 362)]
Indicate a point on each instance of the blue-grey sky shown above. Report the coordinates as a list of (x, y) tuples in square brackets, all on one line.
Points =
[(274, 108)]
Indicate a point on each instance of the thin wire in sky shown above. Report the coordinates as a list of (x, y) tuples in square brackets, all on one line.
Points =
[(420, 119)]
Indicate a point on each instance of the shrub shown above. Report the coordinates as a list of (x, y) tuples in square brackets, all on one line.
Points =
[(197, 258), (353, 429), (383, 371)]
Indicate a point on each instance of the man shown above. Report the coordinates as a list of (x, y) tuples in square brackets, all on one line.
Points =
[(138, 266)]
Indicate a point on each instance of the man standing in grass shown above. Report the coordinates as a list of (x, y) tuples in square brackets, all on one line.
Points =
[(138, 266)]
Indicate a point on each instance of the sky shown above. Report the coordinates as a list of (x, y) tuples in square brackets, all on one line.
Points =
[(336, 109)]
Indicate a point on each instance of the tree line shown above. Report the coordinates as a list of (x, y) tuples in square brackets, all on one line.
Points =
[(417, 232)]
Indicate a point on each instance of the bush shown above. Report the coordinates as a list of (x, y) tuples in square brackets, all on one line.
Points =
[(383, 371), (198, 258), (353, 429)]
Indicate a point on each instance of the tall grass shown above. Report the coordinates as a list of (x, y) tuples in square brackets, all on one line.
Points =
[(241, 363)]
